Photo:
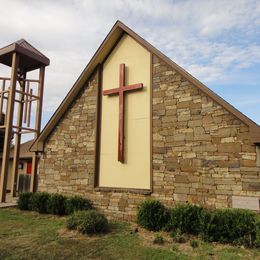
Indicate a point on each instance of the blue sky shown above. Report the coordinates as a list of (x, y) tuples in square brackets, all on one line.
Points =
[(218, 42)]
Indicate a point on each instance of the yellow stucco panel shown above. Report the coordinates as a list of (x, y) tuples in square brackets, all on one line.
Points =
[(135, 171)]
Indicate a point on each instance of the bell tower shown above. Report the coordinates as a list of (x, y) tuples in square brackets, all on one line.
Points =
[(20, 107)]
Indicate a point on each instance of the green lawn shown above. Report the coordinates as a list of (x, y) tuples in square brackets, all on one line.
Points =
[(28, 235)]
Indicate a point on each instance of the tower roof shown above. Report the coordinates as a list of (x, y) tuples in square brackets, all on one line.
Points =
[(30, 57)]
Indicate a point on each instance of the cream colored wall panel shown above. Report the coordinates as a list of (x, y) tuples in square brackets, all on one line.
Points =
[(135, 172)]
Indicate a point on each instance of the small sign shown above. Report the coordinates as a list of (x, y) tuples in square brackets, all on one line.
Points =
[(240, 202)]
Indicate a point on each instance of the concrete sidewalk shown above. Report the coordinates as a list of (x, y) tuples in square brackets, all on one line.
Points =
[(10, 202)]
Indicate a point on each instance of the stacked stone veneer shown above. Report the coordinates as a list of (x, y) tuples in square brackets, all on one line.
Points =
[(201, 153)]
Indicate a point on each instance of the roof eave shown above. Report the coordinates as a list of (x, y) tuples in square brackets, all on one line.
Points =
[(37, 146), (190, 78), (104, 49), (107, 44)]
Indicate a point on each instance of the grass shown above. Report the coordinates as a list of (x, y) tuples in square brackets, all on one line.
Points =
[(28, 235)]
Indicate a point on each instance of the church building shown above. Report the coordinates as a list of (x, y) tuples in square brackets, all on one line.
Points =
[(135, 125)]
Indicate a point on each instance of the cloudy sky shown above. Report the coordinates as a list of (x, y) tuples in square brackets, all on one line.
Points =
[(216, 41)]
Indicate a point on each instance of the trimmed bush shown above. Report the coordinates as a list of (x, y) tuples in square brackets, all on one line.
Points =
[(257, 228), (236, 226), (74, 220), (186, 218), (77, 203), (25, 201), (88, 222), (56, 204), (39, 202), (152, 215)]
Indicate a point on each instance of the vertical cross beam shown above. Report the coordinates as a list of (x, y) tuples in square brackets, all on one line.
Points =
[(18, 137), (121, 113), (120, 92), (8, 127), (38, 128)]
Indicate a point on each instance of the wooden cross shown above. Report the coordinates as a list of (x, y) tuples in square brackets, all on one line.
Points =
[(120, 91)]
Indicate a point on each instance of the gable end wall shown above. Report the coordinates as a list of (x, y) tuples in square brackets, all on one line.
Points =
[(201, 153), (199, 146)]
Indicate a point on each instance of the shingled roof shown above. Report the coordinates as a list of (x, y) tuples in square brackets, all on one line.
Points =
[(23, 43), (118, 30), (31, 58), (24, 151)]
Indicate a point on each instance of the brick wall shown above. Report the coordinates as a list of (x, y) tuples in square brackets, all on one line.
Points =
[(201, 153)]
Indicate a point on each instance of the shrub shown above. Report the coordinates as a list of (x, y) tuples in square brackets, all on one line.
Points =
[(152, 215), (73, 221), (186, 218), (56, 204), (39, 202), (236, 226), (257, 229), (194, 243), (77, 203), (88, 222), (25, 201), (158, 239)]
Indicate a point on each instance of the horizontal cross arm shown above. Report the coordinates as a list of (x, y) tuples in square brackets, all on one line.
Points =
[(113, 91), (133, 87)]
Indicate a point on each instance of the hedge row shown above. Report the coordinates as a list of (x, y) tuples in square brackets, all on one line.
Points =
[(235, 226), (56, 204)]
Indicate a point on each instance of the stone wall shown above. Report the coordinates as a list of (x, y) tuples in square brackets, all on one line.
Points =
[(201, 153), (199, 147)]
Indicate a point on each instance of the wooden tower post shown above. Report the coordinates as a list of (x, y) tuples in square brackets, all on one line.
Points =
[(38, 128), (8, 128), (22, 58)]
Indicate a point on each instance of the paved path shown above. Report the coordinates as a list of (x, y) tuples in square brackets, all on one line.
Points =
[(10, 202)]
